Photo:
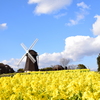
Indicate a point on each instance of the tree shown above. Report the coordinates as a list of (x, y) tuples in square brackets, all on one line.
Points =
[(64, 62), (72, 66), (46, 69), (20, 70), (98, 62), (81, 66), (4, 68), (57, 67)]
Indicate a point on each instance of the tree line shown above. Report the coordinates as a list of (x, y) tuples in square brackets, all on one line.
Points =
[(64, 65)]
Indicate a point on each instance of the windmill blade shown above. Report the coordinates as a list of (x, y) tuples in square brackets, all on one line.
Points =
[(31, 58), (33, 44), (21, 59), (24, 47)]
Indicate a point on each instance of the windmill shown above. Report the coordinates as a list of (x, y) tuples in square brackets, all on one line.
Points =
[(31, 58)]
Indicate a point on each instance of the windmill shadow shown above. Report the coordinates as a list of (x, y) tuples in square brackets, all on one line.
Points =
[(31, 58)]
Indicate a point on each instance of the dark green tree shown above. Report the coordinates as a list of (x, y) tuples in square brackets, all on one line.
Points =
[(4, 68), (46, 69), (81, 66), (98, 62), (20, 70)]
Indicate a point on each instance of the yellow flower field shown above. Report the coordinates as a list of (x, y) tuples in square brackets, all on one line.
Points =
[(51, 85)]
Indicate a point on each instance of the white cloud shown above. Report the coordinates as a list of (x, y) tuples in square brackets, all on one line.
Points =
[(96, 25), (3, 26), (83, 5), (76, 47), (34, 1), (14, 63), (94, 69), (79, 46), (60, 15), (49, 6), (48, 59), (72, 22), (79, 15)]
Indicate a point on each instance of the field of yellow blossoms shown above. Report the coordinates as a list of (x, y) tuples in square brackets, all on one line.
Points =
[(51, 85)]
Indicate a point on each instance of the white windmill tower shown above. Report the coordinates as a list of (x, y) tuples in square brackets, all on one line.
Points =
[(31, 58)]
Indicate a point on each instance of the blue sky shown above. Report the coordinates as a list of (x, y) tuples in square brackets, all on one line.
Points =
[(65, 29)]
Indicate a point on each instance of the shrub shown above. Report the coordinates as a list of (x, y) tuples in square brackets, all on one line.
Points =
[(46, 69), (81, 66)]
